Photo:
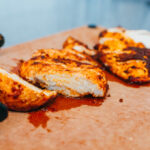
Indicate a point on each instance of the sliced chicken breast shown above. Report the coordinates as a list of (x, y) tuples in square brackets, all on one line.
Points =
[(20, 95), (125, 56), (67, 73), (72, 43)]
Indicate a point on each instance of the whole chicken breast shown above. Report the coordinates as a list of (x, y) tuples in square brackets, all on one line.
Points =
[(124, 55), (72, 43), (19, 95), (65, 72)]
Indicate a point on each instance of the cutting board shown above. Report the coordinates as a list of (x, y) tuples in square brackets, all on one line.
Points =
[(121, 121)]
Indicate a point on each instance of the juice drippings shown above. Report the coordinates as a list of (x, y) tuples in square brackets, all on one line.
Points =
[(40, 117), (65, 103)]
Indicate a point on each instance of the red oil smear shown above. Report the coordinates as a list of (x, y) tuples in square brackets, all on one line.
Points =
[(65, 103), (120, 100), (40, 118)]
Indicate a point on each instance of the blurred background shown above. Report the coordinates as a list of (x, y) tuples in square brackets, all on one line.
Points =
[(24, 20)]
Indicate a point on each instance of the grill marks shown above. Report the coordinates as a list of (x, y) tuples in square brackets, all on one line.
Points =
[(63, 61), (60, 55), (63, 58), (68, 61), (136, 54)]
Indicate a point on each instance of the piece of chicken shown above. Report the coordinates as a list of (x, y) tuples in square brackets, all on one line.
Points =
[(65, 72), (72, 43), (19, 95), (124, 56)]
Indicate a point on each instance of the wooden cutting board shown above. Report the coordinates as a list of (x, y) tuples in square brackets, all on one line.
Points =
[(119, 122)]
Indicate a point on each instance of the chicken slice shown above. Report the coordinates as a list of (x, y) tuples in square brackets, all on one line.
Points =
[(20, 95), (65, 73), (72, 43), (124, 55)]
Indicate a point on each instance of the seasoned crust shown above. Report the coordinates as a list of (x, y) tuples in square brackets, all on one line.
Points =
[(19, 95), (123, 56), (72, 43), (57, 54), (63, 71)]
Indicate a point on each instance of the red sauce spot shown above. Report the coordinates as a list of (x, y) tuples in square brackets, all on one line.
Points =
[(38, 118), (16, 68), (112, 77), (120, 100), (48, 130), (65, 103)]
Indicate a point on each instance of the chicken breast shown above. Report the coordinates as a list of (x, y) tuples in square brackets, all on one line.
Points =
[(124, 56), (72, 43), (20, 95), (65, 72)]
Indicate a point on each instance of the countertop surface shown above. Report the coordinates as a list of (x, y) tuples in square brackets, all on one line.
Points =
[(121, 121)]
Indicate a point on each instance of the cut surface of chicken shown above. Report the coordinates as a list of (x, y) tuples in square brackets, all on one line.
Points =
[(19, 95), (123, 56), (67, 73), (72, 43)]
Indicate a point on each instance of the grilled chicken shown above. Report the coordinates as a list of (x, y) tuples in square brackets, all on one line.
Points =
[(72, 43), (64, 54), (70, 73), (123, 54), (20, 95)]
